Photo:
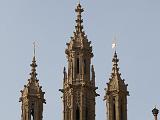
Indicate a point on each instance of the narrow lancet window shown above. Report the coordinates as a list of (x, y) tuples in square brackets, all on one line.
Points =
[(77, 114), (86, 113), (77, 65), (114, 110), (72, 69), (32, 114), (121, 110), (85, 68)]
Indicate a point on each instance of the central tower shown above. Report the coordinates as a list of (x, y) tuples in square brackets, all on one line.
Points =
[(79, 89)]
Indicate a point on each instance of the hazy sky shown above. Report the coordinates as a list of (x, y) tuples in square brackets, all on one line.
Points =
[(51, 23)]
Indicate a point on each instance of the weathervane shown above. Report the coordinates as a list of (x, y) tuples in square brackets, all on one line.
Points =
[(34, 48), (114, 43)]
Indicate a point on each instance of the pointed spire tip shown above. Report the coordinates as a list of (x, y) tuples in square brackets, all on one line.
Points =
[(34, 49), (79, 2), (79, 19), (33, 64)]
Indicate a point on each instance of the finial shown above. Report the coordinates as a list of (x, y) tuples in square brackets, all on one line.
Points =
[(79, 20), (155, 112), (64, 70), (115, 60), (33, 65), (114, 43), (64, 73), (92, 68), (93, 72), (33, 69), (34, 49)]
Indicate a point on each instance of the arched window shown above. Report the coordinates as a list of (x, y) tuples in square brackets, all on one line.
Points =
[(85, 68), (121, 110), (77, 65), (86, 117), (32, 112), (77, 114), (72, 69), (114, 109), (67, 114), (86, 113)]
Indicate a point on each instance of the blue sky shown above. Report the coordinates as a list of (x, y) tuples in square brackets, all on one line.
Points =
[(51, 23)]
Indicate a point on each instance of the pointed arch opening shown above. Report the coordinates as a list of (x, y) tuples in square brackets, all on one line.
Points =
[(32, 111), (77, 65), (114, 109), (121, 109), (86, 114), (77, 114), (85, 66), (67, 113)]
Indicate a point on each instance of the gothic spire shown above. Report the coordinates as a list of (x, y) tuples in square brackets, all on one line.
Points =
[(33, 65), (93, 75), (79, 19), (116, 81), (79, 40), (79, 80), (116, 94), (115, 69), (33, 94), (33, 69)]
